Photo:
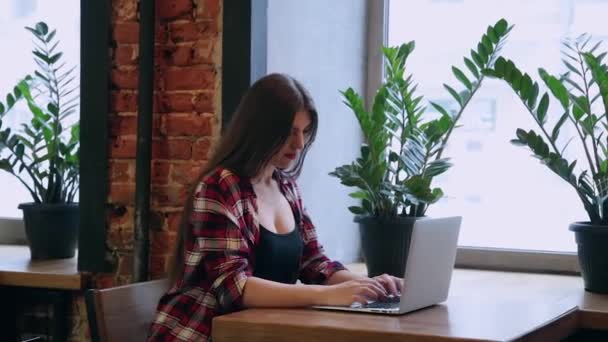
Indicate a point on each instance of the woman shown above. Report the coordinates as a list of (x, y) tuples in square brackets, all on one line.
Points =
[(246, 238)]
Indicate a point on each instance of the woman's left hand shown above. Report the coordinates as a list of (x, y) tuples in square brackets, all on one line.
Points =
[(392, 284)]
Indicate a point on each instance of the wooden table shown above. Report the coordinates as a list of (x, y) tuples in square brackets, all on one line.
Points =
[(23, 280), (482, 306), (17, 269)]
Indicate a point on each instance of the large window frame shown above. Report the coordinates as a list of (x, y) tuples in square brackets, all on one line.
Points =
[(466, 257)]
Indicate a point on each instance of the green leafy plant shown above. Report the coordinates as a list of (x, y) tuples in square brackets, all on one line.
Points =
[(44, 154), (397, 182), (577, 93)]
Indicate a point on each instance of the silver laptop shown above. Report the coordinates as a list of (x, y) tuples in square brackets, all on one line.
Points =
[(428, 272)]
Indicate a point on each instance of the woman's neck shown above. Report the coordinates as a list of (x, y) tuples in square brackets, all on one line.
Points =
[(264, 177)]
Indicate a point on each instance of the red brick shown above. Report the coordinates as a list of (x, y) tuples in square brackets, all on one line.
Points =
[(162, 55), (126, 32), (122, 219), (175, 149), (185, 173), (104, 280), (168, 195), (174, 220), (122, 193), (122, 101), (200, 149), (190, 78), (124, 79), (121, 171), (158, 265), (182, 55), (203, 51), (175, 102), (204, 102), (186, 125), (159, 78), (126, 55), (124, 10), (188, 31), (161, 33), (172, 9), (123, 147), (121, 238), (125, 264), (123, 125), (208, 9), (160, 172), (162, 242)]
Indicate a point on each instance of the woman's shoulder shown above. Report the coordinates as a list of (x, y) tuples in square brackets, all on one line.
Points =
[(221, 182)]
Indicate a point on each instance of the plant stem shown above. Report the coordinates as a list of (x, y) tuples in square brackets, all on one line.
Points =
[(444, 141)]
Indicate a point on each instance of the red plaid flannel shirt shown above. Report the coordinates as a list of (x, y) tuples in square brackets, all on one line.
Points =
[(221, 255)]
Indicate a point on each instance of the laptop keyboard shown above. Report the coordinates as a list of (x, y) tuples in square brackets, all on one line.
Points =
[(387, 303)]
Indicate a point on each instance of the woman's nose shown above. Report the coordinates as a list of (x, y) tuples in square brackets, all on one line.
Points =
[(298, 140)]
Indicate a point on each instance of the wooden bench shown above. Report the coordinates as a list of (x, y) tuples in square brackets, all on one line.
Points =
[(123, 313)]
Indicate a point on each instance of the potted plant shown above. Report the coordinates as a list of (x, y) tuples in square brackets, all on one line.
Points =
[(43, 153), (582, 94), (403, 151)]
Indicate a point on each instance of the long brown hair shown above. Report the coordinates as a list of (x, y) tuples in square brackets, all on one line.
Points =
[(259, 127)]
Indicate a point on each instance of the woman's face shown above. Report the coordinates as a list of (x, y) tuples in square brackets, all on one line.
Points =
[(300, 133)]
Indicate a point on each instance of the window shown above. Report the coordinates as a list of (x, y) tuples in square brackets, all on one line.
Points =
[(507, 198), (17, 61)]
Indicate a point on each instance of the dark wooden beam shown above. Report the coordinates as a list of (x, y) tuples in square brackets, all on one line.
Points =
[(244, 50), (94, 107)]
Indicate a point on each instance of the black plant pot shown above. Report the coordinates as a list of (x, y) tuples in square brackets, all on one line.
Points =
[(385, 243), (592, 242), (51, 229)]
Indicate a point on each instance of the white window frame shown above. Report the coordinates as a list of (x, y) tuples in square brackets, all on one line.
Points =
[(466, 257)]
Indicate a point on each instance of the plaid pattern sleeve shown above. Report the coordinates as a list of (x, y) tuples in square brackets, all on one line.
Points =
[(216, 264), (316, 267)]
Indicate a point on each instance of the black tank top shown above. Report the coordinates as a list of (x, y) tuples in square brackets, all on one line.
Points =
[(278, 256)]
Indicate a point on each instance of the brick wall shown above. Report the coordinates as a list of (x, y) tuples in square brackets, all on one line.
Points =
[(185, 123)]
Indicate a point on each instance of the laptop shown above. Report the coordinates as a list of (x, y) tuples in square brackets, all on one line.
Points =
[(428, 271)]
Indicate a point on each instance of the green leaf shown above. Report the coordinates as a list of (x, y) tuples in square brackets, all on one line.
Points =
[(541, 111), (19, 150), (577, 113), (453, 93), (558, 125), (483, 52), (1, 108), (533, 96), (53, 59), (501, 27), (6, 165), (358, 194), (571, 67), (478, 60), (440, 109), (42, 28), (356, 210), (525, 88), (41, 56), (50, 36), (472, 68), (499, 66), (487, 44), (556, 87), (10, 100), (462, 77), (491, 32)]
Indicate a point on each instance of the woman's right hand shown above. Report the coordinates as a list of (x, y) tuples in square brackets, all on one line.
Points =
[(348, 292)]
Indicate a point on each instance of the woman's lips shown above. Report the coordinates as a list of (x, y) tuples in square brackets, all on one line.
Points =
[(290, 156)]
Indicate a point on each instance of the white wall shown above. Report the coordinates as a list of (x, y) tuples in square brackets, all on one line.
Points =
[(322, 44)]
